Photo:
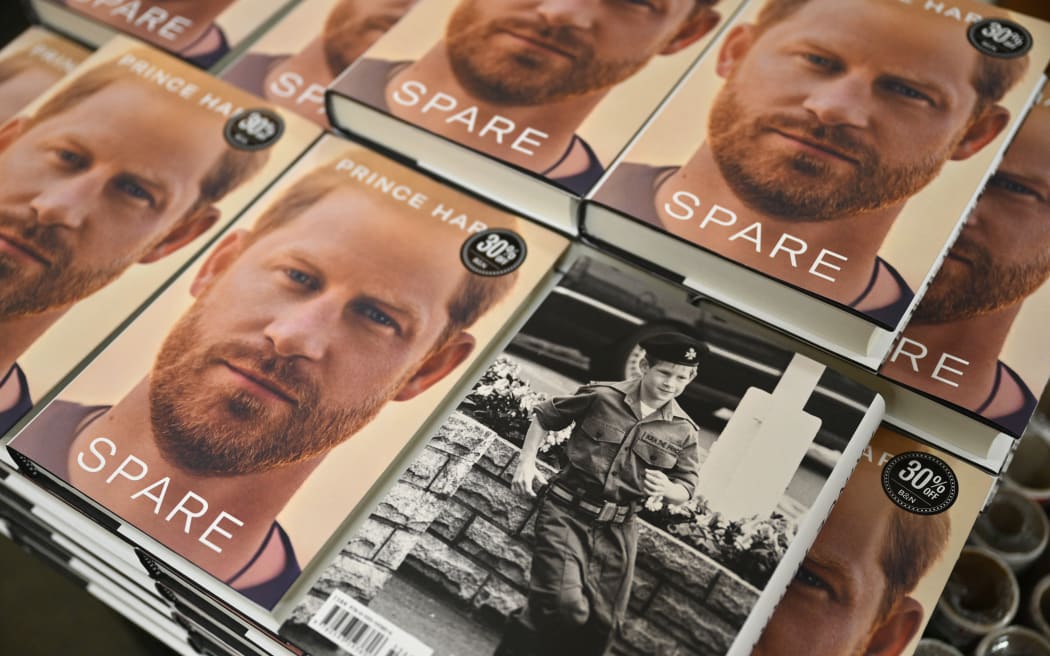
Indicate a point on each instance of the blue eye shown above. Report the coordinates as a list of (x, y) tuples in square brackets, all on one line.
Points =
[(1012, 186), (376, 316), (303, 279), (135, 190), (821, 61), (373, 313), (71, 158), (906, 91), (806, 577)]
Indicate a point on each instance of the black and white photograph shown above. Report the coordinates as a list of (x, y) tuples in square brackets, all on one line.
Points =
[(626, 478)]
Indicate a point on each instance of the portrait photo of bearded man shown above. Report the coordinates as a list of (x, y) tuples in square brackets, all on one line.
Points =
[(986, 305), (544, 65), (327, 302), (825, 120), (83, 200)]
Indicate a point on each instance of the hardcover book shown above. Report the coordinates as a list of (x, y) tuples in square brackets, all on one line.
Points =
[(295, 61), (955, 442), (214, 431), (106, 594), (202, 32), (976, 339), (145, 610), (815, 165), (80, 558), (32, 62), (872, 578), (109, 183), (661, 508), (522, 102), (29, 505)]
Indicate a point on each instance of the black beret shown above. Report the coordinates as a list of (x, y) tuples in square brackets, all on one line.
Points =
[(674, 347)]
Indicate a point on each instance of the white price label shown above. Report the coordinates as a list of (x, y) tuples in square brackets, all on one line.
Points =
[(361, 632)]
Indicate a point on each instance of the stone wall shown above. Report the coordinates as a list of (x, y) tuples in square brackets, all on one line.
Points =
[(402, 517), (453, 520)]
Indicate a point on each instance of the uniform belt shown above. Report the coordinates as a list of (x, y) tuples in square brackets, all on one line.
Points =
[(597, 509)]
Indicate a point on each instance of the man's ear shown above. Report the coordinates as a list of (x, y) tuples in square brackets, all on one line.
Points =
[(10, 131), (698, 25), (982, 131), (897, 629), (437, 365), (219, 260), (737, 43), (186, 232)]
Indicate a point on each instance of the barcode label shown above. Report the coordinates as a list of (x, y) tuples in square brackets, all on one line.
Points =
[(361, 632)]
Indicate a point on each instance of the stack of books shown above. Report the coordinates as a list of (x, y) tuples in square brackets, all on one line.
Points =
[(735, 327)]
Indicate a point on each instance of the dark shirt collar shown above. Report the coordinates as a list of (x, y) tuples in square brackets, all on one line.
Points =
[(22, 405)]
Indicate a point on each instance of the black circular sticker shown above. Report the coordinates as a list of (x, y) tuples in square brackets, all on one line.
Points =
[(999, 37), (493, 252), (920, 483), (254, 129)]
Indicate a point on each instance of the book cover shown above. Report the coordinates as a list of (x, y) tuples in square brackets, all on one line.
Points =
[(834, 147), (346, 303), (874, 574), (31, 63), (199, 32), (660, 509), (295, 61), (109, 183), (554, 91), (976, 339)]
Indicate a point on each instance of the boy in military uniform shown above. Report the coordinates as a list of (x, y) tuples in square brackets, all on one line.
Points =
[(631, 441)]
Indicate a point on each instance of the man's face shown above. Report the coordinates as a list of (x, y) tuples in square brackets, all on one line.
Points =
[(354, 25), (532, 52), (664, 380), (18, 90), (838, 588), (302, 336), (82, 197), (1003, 253), (814, 123)]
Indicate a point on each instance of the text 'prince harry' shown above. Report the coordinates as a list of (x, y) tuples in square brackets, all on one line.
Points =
[(301, 330)]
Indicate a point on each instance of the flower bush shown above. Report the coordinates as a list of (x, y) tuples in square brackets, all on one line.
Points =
[(503, 401), (751, 548)]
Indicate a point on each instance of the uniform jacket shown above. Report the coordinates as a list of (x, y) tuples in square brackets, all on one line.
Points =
[(612, 444)]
